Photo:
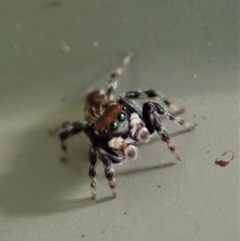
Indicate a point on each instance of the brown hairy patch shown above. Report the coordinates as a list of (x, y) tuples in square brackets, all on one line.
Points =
[(108, 116)]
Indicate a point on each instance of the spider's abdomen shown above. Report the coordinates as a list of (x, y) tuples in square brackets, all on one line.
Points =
[(95, 103)]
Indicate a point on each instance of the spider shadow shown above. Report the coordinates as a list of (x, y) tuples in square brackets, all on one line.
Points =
[(155, 138), (144, 169), (180, 132), (37, 183), (77, 203)]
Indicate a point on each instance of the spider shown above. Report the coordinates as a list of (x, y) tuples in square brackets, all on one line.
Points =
[(115, 126)]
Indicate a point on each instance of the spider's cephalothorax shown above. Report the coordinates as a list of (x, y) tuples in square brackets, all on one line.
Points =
[(115, 126)]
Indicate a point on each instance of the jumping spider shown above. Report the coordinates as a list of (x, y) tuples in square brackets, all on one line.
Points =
[(115, 126)]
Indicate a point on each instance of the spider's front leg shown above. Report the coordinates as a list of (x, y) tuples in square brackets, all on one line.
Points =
[(92, 171), (140, 94), (107, 159), (151, 116)]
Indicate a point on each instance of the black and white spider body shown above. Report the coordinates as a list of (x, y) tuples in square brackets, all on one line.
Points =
[(115, 126)]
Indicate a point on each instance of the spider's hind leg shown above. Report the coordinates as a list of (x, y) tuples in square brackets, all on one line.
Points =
[(58, 128), (66, 130), (114, 77), (61, 129)]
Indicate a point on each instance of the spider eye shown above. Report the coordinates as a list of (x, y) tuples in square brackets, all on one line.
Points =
[(113, 126), (121, 117)]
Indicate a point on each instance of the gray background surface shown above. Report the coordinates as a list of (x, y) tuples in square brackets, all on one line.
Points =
[(51, 53)]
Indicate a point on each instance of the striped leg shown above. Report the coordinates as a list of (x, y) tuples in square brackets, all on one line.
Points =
[(152, 120), (109, 174), (58, 128), (70, 130), (108, 169), (154, 94), (170, 116), (114, 78), (165, 137), (92, 171)]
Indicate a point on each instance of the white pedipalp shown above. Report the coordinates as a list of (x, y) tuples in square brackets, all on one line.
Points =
[(138, 129), (116, 143), (126, 146)]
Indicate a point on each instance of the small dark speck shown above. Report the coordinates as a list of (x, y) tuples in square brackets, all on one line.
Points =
[(83, 236), (52, 4), (204, 117), (196, 228), (159, 186), (103, 232), (208, 151), (125, 213)]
